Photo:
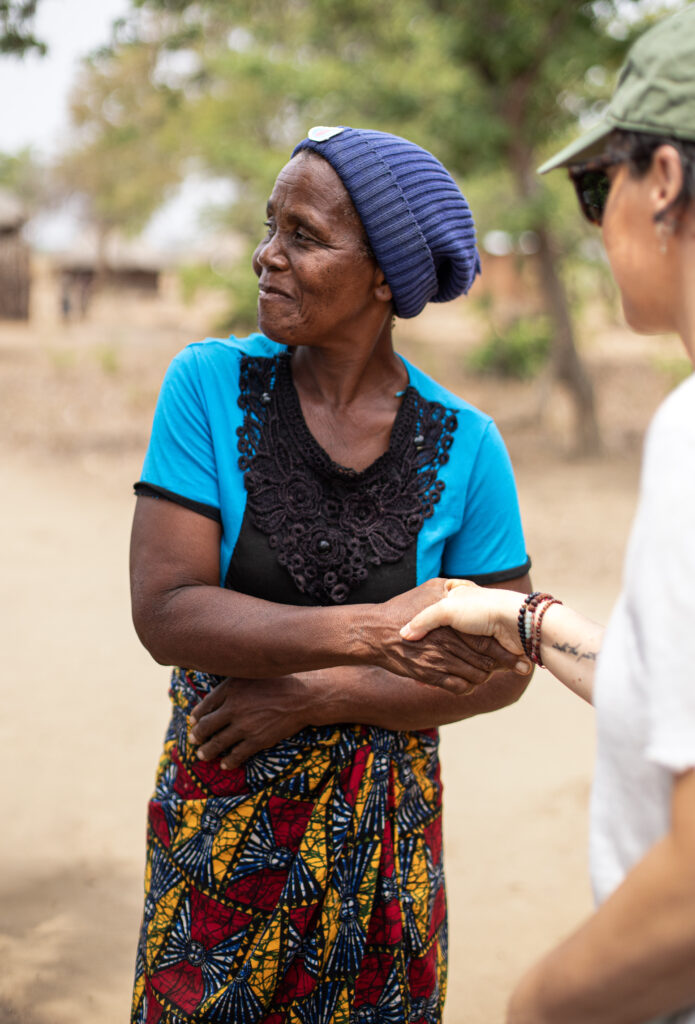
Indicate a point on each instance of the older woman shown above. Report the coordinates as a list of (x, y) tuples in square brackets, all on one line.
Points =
[(297, 482), (634, 959)]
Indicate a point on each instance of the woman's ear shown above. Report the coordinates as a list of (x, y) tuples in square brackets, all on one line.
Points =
[(382, 290), (666, 174)]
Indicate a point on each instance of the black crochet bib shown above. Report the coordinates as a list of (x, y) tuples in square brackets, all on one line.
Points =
[(315, 532)]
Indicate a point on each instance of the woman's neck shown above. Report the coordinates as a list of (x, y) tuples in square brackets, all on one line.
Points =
[(341, 375)]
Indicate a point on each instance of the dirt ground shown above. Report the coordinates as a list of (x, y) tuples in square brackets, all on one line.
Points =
[(85, 707)]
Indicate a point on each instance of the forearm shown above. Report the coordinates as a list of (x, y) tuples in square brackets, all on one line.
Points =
[(220, 631), (184, 617), (242, 716), (223, 632), (631, 961), (372, 696), (570, 644)]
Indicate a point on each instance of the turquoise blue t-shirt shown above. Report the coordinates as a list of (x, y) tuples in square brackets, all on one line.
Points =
[(211, 445)]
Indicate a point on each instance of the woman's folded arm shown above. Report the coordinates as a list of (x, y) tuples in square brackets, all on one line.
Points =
[(183, 617)]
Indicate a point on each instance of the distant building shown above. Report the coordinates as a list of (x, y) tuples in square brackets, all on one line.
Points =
[(124, 266), (15, 276), (510, 274)]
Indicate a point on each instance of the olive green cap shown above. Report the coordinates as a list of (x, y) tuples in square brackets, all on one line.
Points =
[(655, 92)]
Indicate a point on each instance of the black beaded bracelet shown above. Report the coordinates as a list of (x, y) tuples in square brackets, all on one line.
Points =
[(521, 619)]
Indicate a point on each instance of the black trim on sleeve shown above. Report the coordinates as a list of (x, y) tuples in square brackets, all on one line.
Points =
[(500, 577), (145, 490)]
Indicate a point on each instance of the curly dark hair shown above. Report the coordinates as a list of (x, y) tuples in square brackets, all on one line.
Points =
[(637, 149)]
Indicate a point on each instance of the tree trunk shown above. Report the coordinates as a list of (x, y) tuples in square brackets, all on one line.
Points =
[(567, 365)]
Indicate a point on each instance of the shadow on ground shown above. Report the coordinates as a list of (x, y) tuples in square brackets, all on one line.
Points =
[(67, 942)]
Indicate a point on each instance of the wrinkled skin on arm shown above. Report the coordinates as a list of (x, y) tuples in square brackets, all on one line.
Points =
[(242, 716), (183, 617), (288, 666)]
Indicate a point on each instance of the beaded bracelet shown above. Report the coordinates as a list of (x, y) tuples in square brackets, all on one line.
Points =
[(524, 620), (531, 613), (536, 636)]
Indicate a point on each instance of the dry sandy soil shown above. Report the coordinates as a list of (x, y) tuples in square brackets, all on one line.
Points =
[(85, 708)]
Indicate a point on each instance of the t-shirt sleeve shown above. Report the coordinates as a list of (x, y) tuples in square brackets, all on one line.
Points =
[(489, 547), (180, 460), (660, 582)]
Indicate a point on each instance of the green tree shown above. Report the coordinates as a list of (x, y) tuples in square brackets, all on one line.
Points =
[(27, 177), (123, 161), (481, 84), (17, 28)]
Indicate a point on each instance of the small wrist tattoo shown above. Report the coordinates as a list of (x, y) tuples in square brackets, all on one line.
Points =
[(566, 648)]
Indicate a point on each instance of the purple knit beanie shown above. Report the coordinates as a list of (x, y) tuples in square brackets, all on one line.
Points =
[(418, 223)]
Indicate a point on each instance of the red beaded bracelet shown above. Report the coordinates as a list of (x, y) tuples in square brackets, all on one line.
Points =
[(536, 646)]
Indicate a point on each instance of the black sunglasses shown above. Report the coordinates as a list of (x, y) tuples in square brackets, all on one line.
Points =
[(593, 185)]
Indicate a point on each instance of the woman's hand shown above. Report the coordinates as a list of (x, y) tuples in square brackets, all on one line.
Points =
[(569, 644), (468, 608), (456, 659), (242, 716)]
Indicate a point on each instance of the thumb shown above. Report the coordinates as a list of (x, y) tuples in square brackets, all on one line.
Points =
[(429, 618)]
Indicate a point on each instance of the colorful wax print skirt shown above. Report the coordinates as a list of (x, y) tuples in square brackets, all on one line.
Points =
[(305, 887)]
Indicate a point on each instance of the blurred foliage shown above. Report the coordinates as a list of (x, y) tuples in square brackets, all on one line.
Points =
[(17, 28), (230, 86), (518, 350), (227, 87), (477, 83), (128, 140), (238, 281), (28, 178), (675, 368), (244, 292), (198, 277)]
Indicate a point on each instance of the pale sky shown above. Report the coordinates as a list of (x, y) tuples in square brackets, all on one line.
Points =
[(35, 89), (35, 113)]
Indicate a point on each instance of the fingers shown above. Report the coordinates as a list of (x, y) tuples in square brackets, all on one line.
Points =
[(502, 658), (218, 744), (455, 660), (209, 723), (210, 702), (241, 752), (455, 684), (452, 584), (442, 659), (233, 749), (429, 618)]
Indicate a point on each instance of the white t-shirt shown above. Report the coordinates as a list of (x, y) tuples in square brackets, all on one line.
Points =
[(645, 679)]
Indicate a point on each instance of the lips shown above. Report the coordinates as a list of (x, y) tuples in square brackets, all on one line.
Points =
[(266, 290)]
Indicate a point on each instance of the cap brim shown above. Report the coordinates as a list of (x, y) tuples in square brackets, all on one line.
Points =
[(583, 148)]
